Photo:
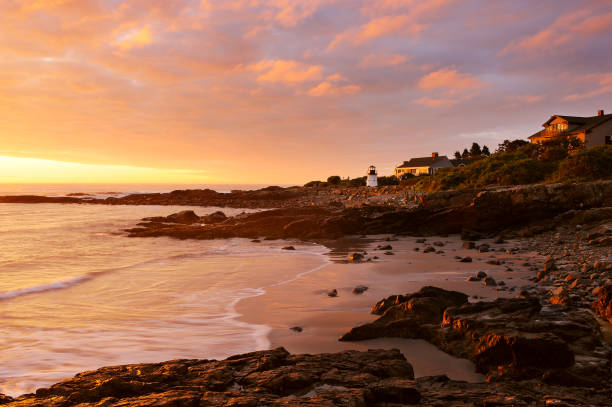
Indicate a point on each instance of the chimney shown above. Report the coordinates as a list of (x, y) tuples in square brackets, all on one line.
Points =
[(434, 155), (600, 112)]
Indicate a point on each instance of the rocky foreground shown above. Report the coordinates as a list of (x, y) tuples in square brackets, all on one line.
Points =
[(276, 378)]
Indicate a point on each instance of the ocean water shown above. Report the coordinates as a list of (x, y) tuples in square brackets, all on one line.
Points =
[(77, 294)]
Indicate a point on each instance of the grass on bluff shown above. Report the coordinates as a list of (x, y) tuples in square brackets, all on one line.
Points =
[(525, 164)]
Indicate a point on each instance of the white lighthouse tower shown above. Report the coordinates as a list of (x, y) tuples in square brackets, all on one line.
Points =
[(372, 180)]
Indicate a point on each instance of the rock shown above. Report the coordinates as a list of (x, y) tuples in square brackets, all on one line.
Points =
[(288, 248), (467, 234), (514, 339), (360, 289), (468, 245), (473, 278), (483, 249), (429, 249), (389, 253), (560, 296), (494, 262), (356, 257), (421, 240), (297, 328), (255, 241), (215, 217), (332, 293), (481, 275), (466, 259), (603, 305), (264, 378), (499, 240), (401, 314), (438, 243), (490, 282), (550, 265), (184, 217), (386, 247), (416, 249)]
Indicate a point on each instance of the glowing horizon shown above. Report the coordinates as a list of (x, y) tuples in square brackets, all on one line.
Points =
[(42, 171), (285, 91)]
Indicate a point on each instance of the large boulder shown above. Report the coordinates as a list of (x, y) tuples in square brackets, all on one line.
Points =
[(603, 305)]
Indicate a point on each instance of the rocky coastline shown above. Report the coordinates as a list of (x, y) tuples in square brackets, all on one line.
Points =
[(547, 346)]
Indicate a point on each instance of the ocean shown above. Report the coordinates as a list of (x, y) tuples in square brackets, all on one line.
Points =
[(76, 294)]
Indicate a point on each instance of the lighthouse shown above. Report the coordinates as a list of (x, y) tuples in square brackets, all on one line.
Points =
[(372, 180)]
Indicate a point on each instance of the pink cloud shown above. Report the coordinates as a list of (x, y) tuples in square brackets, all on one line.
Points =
[(399, 18), (328, 88), (449, 86), (597, 84), (564, 32), (382, 60), (286, 71), (449, 78)]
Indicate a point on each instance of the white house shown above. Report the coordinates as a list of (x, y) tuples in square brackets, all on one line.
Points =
[(423, 165)]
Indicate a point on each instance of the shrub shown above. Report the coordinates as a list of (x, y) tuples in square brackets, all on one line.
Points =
[(334, 180), (587, 165)]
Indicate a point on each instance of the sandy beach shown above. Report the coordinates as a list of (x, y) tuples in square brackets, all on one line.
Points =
[(304, 302)]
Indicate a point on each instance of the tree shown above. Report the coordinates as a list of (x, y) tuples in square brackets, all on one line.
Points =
[(457, 155), (485, 151), (465, 154), (475, 150), (334, 179), (511, 146)]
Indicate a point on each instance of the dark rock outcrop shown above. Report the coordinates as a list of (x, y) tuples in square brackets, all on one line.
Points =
[(270, 378), (505, 338)]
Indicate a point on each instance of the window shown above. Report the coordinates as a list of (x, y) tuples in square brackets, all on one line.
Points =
[(608, 140), (559, 127)]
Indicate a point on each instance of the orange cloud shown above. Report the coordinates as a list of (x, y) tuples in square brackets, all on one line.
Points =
[(449, 78), (452, 87), (135, 39), (286, 71)]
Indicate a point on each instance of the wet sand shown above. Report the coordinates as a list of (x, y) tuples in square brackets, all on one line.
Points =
[(304, 303)]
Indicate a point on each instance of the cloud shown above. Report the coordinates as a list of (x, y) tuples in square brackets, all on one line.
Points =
[(450, 86), (135, 39), (327, 88), (286, 71), (382, 60), (393, 18), (565, 33), (449, 78), (598, 84)]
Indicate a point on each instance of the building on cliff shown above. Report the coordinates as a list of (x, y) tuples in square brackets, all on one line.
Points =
[(591, 131), (423, 165), (372, 177)]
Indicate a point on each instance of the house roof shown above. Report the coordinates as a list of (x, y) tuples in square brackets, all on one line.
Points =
[(583, 123), (422, 161)]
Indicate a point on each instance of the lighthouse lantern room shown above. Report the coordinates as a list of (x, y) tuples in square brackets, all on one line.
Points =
[(372, 180)]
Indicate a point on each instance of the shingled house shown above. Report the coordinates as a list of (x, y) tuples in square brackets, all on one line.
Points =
[(423, 165), (592, 131)]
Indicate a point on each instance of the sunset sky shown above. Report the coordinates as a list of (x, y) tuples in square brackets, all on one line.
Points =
[(283, 91)]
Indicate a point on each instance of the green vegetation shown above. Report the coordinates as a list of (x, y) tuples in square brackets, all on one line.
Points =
[(518, 162)]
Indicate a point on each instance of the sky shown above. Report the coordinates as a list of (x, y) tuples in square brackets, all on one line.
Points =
[(284, 91)]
